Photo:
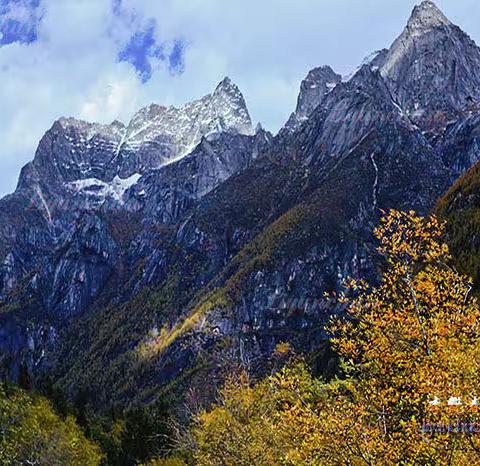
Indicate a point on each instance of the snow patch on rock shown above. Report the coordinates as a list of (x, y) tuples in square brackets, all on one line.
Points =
[(102, 189)]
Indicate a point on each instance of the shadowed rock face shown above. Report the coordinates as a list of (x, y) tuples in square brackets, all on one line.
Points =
[(116, 232), (165, 195)]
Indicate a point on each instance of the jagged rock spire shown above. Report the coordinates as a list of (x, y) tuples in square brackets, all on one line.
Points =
[(425, 16), (432, 68), (313, 90)]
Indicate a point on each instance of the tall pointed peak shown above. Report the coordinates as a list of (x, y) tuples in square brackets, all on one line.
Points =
[(313, 90), (426, 16), (226, 84), (431, 49)]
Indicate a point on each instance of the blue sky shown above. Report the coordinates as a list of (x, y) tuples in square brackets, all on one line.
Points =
[(19, 21), (102, 60)]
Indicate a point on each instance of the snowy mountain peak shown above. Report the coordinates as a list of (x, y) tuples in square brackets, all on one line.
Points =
[(158, 135), (99, 161)]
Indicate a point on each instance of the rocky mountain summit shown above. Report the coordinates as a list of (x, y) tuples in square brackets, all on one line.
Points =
[(158, 135), (103, 161), (313, 90), (167, 248), (432, 69)]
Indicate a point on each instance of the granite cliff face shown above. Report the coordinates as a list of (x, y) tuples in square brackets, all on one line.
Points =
[(135, 256)]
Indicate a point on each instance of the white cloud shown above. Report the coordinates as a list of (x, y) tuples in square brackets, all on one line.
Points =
[(266, 46)]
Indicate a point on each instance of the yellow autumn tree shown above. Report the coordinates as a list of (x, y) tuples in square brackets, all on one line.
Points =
[(252, 425), (411, 358), (412, 344)]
